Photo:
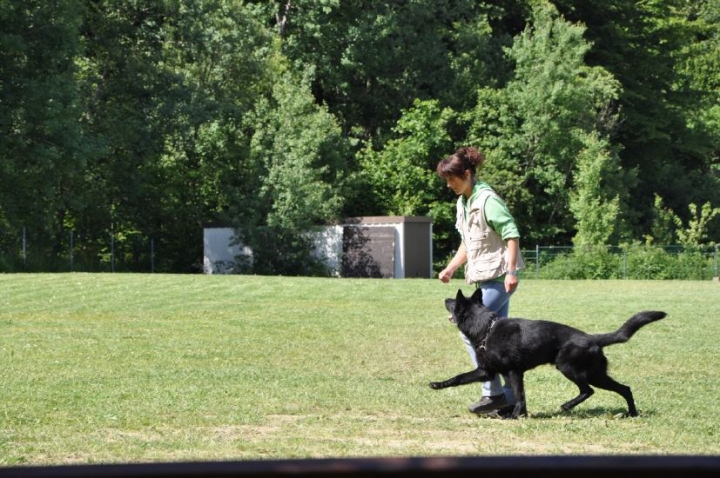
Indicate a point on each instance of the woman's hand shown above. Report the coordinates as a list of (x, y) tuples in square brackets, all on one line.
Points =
[(513, 251), (511, 283), (446, 274), (457, 260)]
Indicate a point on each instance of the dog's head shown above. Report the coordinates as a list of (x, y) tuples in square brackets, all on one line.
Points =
[(460, 304)]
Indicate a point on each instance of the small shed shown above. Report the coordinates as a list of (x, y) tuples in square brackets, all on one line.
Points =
[(387, 246), (373, 246)]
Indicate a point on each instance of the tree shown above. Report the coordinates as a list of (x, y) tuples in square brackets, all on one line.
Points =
[(41, 149), (664, 54), (299, 154), (402, 175), (594, 204), (124, 93), (695, 233), (667, 226), (534, 129), (664, 223), (374, 59), (697, 82), (135, 120), (221, 60), (170, 84)]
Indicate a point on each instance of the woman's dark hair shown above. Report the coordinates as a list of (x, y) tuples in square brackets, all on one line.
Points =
[(463, 159)]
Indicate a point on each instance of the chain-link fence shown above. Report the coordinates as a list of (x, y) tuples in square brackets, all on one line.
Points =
[(674, 262), (27, 251)]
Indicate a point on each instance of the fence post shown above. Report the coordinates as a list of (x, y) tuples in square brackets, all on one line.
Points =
[(537, 260), (716, 261), (71, 251), (24, 248), (625, 264), (112, 250)]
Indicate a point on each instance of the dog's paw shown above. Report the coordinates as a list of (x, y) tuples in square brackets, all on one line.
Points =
[(625, 415), (504, 413), (436, 385), (518, 411)]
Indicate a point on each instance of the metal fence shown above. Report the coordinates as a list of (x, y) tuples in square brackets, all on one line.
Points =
[(19, 252), (622, 262), (26, 252)]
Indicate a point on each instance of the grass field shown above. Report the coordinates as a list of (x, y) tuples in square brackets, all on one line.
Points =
[(108, 368)]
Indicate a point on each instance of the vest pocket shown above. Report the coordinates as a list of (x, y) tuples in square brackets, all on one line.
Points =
[(484, 265), (477, 241)]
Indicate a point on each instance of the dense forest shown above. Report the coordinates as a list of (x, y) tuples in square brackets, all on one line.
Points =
[(125, 123)]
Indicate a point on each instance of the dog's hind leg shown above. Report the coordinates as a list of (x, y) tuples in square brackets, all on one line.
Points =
[(608, 383), (586, 392), (579, 379), (477, 375)]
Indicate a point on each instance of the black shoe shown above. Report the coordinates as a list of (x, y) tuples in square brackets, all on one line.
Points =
[(489, 404)]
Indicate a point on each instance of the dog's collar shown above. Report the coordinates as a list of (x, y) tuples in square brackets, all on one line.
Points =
[(487, 334), (483, 344)]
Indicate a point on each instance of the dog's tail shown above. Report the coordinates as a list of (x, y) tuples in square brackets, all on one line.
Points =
[(629, 328)]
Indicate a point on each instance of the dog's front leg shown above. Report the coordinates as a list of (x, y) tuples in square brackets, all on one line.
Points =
[(477, 375), (517, 383)]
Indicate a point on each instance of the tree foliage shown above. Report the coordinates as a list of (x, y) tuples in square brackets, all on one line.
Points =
[(128, 123), (402, 175), (299, 155), (42, 149), (536, 127), (594, 205)]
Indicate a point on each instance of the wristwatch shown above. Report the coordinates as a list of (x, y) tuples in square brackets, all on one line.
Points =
[(511, 273)]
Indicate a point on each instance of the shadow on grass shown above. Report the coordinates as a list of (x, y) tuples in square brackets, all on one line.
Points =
[(597, 412)]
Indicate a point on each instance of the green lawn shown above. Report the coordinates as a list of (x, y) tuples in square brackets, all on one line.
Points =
[(108, 368)]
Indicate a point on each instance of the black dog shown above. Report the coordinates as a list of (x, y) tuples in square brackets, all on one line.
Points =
[(513, 346)]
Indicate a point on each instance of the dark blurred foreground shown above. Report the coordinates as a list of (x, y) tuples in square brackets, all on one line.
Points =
[(447, 467)]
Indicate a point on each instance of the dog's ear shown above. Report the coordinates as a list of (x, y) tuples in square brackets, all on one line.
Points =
[(461, 304), (460, 299), (477, 296)]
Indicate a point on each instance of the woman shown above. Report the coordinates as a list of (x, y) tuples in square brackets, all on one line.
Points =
[(490, 250)]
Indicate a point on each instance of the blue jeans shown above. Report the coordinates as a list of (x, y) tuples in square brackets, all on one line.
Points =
[(495, 298)]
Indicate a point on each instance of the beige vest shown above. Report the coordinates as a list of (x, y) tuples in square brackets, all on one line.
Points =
[(486, 250)]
